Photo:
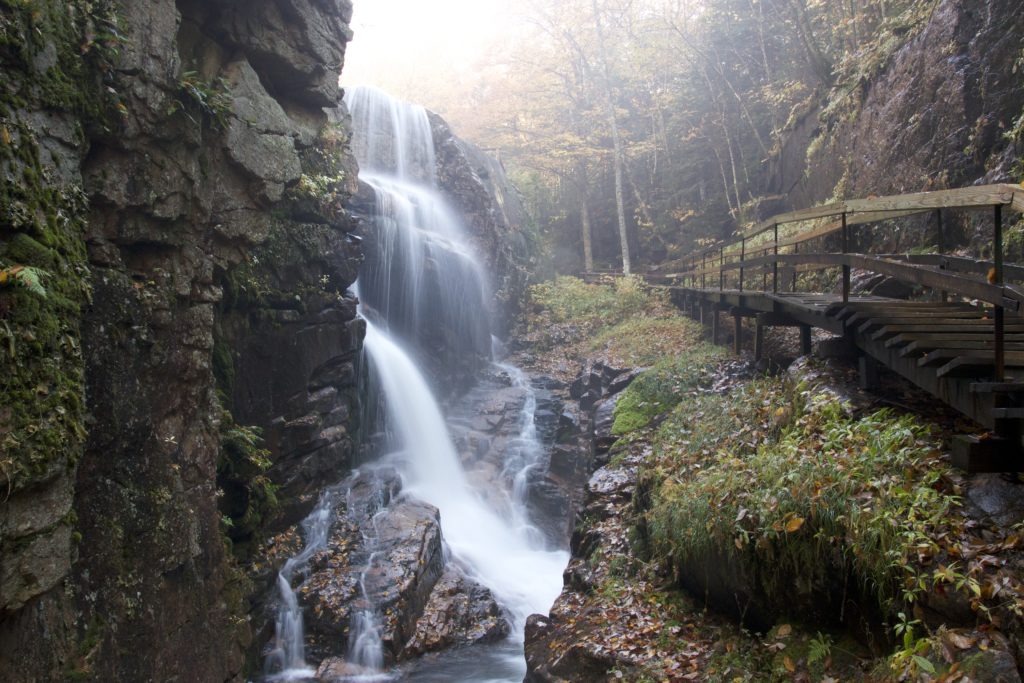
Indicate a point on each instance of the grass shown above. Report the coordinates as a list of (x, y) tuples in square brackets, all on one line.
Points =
[(640, 342), (627, 324), (664, 386), (790, 488)]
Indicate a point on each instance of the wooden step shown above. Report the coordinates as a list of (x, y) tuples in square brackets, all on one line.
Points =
[(905, 338), (863, 312), (939, 356), (996, 387), (963, 326), (918, 347)]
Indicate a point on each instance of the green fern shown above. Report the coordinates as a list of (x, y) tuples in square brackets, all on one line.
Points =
[(24, 276)]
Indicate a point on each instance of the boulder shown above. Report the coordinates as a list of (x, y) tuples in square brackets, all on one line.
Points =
[(394, 556), (460, 612)]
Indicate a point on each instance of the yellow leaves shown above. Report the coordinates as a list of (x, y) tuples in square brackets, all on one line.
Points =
[(789, 664), (783, 630), (5, 135), (794, 524)]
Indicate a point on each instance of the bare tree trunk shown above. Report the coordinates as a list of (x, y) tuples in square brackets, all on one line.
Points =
[(588, 252), (819, 63), (616, 143)]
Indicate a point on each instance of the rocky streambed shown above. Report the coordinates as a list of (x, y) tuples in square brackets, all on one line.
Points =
[(383, 563)]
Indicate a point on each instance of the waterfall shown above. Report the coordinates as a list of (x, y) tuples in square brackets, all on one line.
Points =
[(287, 659), (424, 279), (504, 555), (430, 302)]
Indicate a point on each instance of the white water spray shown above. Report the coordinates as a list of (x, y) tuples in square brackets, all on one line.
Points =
[(424, 281), (501, 554)]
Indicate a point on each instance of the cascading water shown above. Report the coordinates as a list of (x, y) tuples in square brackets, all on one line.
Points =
[(424, 272), (427, 289), (287, 658)]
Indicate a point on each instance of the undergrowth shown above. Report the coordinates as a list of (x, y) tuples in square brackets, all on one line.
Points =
[(866, 494), (664, 386)]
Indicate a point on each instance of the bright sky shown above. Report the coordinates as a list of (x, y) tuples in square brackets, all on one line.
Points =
[(410, 47)]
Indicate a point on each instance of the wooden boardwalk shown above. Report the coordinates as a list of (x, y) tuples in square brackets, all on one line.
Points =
[(961, 338)]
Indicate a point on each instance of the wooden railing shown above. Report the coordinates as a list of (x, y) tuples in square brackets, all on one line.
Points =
[(779, 248)]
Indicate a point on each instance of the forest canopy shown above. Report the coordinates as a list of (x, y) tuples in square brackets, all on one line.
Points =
[(689, 102)]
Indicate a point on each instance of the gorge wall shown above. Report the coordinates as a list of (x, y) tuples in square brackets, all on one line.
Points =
[(177, 175), (938, 114), (175, 170)]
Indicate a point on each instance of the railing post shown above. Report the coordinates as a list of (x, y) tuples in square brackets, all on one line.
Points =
[(940, 245), (998, 318), (796, 250), (775, 263), (721, 268), (743, 257), (703, 262), (846, 267), (764, 271)]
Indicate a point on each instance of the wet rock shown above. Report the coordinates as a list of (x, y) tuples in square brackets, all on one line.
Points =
[(297, 45), (335, 669), (998, 497), (623, 380), (892, 288), (550, 508), (395, 557), (604, 418), (460, 612), (578, 662), (493, 212), (612, 484), (258, 136)]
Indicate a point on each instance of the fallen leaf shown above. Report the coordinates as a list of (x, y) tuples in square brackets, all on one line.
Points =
[(962, 641), (784, 630), (788, 663), (794, 524)]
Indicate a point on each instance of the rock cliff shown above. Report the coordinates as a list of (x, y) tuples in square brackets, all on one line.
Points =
[(175, 170), (936, 115)]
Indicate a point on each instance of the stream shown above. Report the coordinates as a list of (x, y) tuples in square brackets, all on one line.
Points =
[(424, 280)]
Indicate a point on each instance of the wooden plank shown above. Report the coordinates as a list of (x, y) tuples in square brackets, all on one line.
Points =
[(862, 311), (964, 197), (940, 356), (1018, 199), (919, 347), (966, 367), (890, 330), (873, 323), (875, 318), (997, 387), (959, 284), (957, 264), (991, 454), (981, 333)]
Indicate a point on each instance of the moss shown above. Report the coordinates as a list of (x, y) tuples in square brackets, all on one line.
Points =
[(42, 427), (77, 41), (662, 387), (224, 369), (54, 55), (80, 667)]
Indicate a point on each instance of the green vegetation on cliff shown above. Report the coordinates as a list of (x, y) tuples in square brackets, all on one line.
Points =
[(42, 420), (53, 56)]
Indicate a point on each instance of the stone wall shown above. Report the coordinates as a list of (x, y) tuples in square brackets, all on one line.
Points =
[(157, 154)]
